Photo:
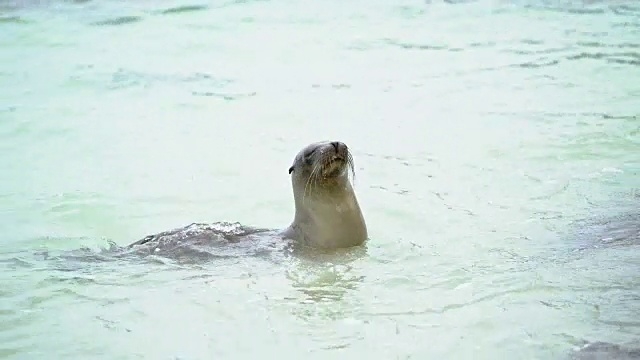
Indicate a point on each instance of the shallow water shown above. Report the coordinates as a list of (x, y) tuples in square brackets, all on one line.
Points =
[(496, 147)]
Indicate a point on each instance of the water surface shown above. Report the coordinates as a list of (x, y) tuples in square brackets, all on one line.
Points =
[(496, 147)]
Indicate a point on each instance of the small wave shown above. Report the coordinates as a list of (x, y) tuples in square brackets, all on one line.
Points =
[(126, 79), (598, 44), (581, 9), (12, 20), (538, 63), (538, 50), (625, 9), (228, 97), (183, 9), (121, 20), (410, 46), (631, 58), (17, 262)]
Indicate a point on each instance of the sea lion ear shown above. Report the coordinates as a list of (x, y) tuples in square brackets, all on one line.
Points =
[(290, 170)]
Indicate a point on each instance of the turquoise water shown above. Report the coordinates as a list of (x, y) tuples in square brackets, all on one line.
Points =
[(491, 141)]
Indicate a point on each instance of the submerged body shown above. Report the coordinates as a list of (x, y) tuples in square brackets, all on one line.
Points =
[(327, 213)]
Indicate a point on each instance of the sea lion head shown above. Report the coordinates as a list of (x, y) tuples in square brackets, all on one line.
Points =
[(327, 211), (322, 165)]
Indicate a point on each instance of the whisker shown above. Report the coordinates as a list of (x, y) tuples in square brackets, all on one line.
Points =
[(306, 185), (310, 181), (351, 165), (316, 175)]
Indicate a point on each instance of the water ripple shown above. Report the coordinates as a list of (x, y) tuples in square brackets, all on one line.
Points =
[(628, 58), (183, 9), (12, 20), (117, 21), (123, 79), (410, 46)]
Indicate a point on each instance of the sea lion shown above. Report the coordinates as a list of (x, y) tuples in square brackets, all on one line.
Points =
[(327, 213)]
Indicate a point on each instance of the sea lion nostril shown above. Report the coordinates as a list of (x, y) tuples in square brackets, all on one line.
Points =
[(336, 145)]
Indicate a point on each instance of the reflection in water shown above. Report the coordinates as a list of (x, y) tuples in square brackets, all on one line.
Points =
[(324, 276), (324, 287), (327, 290), (323, 282)]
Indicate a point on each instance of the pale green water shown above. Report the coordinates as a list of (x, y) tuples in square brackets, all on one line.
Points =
[(481, 132)]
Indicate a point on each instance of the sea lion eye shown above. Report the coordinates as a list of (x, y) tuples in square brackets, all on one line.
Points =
[(290, 170)]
